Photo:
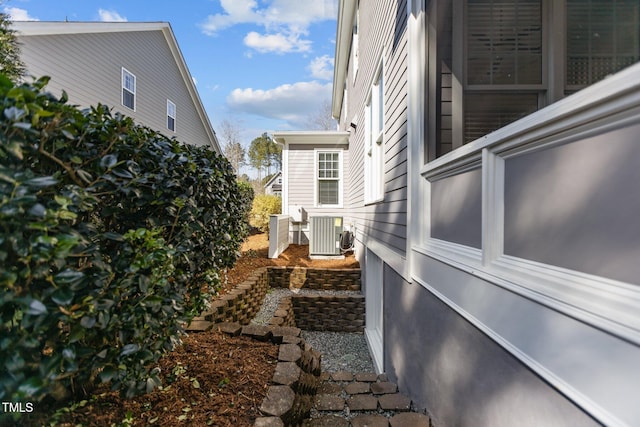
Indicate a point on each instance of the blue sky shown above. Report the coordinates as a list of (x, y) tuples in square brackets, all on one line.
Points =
[(263, 65)]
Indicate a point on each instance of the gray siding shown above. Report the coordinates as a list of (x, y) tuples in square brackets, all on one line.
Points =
[(382, 26), (88, 67), (460, 375)]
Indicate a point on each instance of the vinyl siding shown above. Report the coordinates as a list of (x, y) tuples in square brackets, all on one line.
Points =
[(382, 26), (88, 67), (301, 178)]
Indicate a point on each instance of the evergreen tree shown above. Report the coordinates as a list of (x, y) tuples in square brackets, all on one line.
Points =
[(10, 63)]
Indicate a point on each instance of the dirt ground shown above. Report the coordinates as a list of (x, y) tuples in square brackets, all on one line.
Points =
[(255, 251), (211, 380)]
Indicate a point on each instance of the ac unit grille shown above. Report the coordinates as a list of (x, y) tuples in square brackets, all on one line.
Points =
[(325, 235)]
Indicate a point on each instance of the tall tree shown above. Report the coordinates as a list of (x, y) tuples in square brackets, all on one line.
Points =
[(10, 63), (265, 153), (232, 149), (322, 118)]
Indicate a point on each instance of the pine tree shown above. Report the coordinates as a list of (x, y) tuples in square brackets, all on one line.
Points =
[(10, 63)]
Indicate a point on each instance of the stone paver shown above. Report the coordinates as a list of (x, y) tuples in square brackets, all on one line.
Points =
[(199, 325), (370, 421), (367, 392), (286, 373), (229, 328), (268, 422), (368, 377), (395, 402), (279, 400), (328, 402), (357, 388), (258, 332), (362, 402), (383, 388), (342, 376), (289, 353), (327, 421), (409, 419)]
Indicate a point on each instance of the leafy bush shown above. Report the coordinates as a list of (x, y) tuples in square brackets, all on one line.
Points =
[(246, 195), (111, 239), (263, 207)]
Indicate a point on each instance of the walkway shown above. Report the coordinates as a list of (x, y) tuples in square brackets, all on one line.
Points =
[(362, 399)]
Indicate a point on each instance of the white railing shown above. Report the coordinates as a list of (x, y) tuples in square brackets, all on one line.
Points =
[(555, 265), (278, 235)]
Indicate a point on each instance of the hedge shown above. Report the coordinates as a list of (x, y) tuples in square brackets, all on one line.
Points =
[(111, 240)]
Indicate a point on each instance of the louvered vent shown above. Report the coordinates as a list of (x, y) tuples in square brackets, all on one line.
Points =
[(325, 235)]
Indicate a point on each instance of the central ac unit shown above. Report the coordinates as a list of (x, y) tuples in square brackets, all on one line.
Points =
[(324, 239)]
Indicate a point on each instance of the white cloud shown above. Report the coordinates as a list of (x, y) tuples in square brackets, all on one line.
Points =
[(322, 67), (293, 103), (277, 43), (111, 16), (285, 22), (17, 14)]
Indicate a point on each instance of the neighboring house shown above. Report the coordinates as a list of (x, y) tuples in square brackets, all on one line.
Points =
[(273, 187), (491, 175), (134, 67), (314, 177)]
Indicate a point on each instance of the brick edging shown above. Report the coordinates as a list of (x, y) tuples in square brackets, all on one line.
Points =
[(296, 378), (331, 313)]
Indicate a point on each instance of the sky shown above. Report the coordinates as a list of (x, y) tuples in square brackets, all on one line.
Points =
[(263, 65)]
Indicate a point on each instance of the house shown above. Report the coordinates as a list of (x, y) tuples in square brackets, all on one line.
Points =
[(315, 177), (273, 187), (136, 68), (491, 176)]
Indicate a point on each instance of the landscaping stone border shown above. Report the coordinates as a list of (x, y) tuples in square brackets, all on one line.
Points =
[(336, 313), (296, 379)]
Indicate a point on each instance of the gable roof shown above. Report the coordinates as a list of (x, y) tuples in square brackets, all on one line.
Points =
[(45, 28), (273, 178)]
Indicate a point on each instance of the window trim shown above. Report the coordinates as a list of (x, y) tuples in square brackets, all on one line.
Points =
[(169, 116), (316, 179), (124, 74), (373, 151)]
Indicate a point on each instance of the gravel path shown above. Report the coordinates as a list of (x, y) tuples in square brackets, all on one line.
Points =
[(341, 351)]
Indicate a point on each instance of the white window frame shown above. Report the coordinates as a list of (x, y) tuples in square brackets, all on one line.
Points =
[(374, 140), (129, 84), (316, 179), (171, 114)]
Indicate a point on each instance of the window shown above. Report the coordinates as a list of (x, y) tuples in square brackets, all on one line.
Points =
[(500, 60), (128, 89), (374, 142), (329, 183), (503, 63), (171, 116)]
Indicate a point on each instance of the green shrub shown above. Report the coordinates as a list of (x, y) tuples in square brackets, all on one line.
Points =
[(111, 239), (263, 207)]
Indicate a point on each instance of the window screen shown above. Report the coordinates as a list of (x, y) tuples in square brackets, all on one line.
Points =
[(602, 38), (504, 42)]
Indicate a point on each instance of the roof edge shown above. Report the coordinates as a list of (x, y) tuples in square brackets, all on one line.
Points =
[(346, 12)]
